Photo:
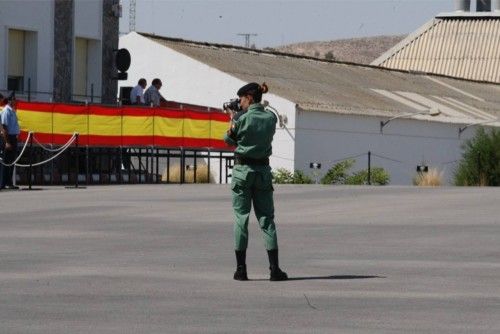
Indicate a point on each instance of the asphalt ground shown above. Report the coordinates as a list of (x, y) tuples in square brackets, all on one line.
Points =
[(159, 259)]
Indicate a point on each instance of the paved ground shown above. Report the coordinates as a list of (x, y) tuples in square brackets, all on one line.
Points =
[(159, 259)]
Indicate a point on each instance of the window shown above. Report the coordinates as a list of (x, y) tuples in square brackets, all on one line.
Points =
[(80, 69), (15, 73)]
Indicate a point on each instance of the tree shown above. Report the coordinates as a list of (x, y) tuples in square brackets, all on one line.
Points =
[(480, 164), (329, 55)]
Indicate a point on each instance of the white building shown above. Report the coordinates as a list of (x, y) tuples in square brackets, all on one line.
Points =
[(462, 44), (332, 110), (59, 50)]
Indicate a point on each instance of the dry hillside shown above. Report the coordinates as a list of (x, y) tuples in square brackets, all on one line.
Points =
[(358, 50)]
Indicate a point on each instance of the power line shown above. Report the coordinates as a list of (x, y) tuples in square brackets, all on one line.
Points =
[(247, 38)]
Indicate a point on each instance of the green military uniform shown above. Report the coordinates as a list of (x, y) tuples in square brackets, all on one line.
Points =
[(251, 182)]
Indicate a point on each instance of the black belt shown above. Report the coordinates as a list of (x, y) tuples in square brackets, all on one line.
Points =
[(249, 161)]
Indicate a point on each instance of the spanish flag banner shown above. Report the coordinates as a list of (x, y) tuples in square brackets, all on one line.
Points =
[(55, 123)]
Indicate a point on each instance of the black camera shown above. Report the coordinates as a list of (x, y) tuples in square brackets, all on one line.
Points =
[(232, 105)]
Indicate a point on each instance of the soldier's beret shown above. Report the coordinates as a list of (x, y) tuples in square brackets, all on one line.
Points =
[(248, 88)]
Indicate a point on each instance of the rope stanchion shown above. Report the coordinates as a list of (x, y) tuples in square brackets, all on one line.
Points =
[(77, 169), (30, 171), (64, 148), (45, 148), (20, 154)]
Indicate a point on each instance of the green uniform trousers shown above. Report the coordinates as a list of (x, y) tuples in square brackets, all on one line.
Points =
[(253, 184)]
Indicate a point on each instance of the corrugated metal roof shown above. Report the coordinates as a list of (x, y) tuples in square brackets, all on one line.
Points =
[(347, 88), (463, 46)]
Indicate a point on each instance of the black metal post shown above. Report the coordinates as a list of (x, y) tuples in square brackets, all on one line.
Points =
[(369, 168), (140, 164), (208, 166), (220, 167), (129, 161), (92, 93), (110, 164), (158, 177), (195, 166), (29, 92), (30, 183), (120, 180), (87, 162), (183, 165), (146, 176), (77, 171)]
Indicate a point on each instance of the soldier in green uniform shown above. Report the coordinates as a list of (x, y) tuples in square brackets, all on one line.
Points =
[(252, 134)]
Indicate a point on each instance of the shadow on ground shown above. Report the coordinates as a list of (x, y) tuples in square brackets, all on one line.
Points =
[(332, 277)]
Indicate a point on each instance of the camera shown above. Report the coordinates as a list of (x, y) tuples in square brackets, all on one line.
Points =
[(232, 105)]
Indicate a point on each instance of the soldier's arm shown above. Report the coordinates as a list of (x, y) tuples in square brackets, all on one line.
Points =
[(231, 135)]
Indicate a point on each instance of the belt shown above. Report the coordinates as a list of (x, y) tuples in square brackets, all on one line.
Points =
[(238, 160)]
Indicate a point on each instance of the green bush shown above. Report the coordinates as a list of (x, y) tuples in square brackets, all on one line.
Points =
[(339, 174), (480, 164), (284, 176), (378, 177)]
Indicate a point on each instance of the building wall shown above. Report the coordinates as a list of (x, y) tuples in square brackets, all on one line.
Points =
[(39, 22), (49, 52), (190, 81), (326, 138)]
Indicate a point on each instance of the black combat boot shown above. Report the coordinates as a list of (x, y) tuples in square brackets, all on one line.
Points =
[(241, 268), (276, 273)]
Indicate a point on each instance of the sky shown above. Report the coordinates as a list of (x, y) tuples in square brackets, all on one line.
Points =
[(280, 22)]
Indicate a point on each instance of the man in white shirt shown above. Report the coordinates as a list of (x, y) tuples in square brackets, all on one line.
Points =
[(152, 95), (10, 131), (137, 93)]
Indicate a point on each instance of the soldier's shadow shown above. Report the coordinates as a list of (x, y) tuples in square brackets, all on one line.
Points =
[(331, 277)]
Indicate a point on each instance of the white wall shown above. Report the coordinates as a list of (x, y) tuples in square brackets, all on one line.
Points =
[(88, 25), (39, 19), (326, 137), (190, 81), (88, 19)]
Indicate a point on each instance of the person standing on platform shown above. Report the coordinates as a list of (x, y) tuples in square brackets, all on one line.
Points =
[(10, 131), (252, 134), (152, 96), (137, 93)]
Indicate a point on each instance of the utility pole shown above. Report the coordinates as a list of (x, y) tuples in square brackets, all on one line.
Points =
[(247, 38), (131, 16)]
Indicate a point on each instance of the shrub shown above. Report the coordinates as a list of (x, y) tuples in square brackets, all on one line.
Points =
[(338, 173), (329, 55), (300, 178), (284, 176), (432, 178), (480, 164), (378, 177)]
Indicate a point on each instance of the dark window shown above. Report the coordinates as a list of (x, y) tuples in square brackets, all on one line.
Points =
[(15, 83)]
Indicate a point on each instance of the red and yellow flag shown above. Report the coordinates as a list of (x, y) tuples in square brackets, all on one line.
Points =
[(55, 123)]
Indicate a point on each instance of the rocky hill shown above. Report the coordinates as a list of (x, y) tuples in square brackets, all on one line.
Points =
[(358, 50)]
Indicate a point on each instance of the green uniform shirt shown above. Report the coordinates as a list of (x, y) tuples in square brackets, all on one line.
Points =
[(253, 133)]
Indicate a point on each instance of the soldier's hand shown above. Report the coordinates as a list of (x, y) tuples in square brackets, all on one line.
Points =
[(8, 146)]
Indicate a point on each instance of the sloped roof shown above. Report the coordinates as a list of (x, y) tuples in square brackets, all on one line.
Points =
[(343, 87), (459, 46)]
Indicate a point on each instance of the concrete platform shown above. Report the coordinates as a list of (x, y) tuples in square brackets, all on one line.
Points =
[(159, 259)]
